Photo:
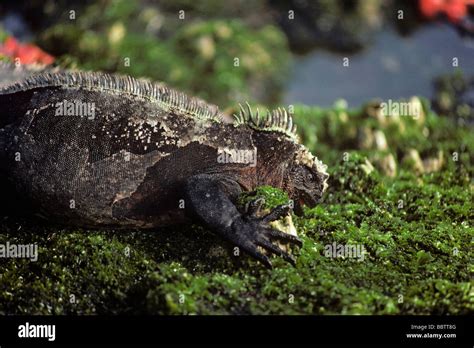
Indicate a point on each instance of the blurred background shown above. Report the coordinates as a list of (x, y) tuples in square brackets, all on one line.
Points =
[(288, 51)]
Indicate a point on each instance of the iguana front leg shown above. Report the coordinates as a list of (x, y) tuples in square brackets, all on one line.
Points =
[(207, 199)]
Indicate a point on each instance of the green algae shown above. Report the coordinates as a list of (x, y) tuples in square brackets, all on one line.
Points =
[(273, 197), (416, 230)]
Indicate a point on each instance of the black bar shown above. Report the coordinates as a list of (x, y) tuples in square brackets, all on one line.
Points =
[(243, 329)]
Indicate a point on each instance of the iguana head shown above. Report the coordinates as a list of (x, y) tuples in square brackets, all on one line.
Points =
[(307, 179), (306, 176)]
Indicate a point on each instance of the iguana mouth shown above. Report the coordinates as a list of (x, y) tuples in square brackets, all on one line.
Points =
[(309, 200), (304, 199)]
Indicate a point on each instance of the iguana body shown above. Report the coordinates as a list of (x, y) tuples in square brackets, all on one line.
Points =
[(92, 149)]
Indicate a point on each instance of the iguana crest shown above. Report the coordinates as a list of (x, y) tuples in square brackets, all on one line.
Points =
[(278, 120), (169, 99)]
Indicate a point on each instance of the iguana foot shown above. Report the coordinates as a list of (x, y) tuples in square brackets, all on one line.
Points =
[(249, 231), (209, 202)]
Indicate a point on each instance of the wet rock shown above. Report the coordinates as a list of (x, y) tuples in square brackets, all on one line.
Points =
[(433, 164), (365, 138), (206, 47), (396, 112), (412, 161), (116, 33), (380, 140), (386, 164), (375, 110), (421, 166), (415, 104), (367, 167)]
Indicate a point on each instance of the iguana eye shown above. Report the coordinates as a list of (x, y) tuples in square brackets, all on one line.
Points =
[(310, 176)]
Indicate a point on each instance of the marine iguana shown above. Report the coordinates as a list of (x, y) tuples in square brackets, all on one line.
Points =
[(100, 150)]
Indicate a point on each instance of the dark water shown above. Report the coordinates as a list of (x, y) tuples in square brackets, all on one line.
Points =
[(392, 67)]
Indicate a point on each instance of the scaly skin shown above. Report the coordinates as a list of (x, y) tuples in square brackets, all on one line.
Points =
[(135, 154)]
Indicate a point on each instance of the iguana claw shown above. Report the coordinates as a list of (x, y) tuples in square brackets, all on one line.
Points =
[(250, 232)]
